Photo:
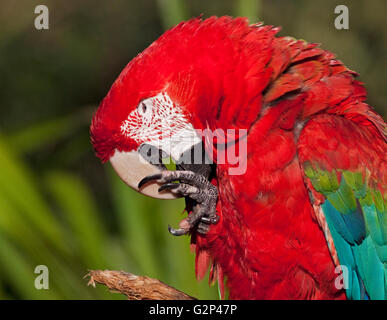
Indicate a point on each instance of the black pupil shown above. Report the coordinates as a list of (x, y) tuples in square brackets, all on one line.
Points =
[(143, 107)]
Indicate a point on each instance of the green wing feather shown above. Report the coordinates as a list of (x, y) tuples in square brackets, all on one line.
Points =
[(356, 215)]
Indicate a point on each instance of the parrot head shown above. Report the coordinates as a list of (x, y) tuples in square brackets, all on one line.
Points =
[(151, 112), (138, 144), (173, 91)]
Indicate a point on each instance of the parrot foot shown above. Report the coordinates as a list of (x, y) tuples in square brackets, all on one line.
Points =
[(196, 187)]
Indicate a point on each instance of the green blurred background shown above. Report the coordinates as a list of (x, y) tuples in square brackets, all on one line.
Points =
[(59, 206)]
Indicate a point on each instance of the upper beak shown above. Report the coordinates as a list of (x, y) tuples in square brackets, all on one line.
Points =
[(132, 168)]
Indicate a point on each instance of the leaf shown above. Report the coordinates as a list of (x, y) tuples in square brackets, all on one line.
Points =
[(42, 133), (134, 222), (18, 185), (80, 212), (19, 272)]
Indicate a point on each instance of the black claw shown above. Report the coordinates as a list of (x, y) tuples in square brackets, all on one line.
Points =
[(177, 232), (149, 178), (169, 186)]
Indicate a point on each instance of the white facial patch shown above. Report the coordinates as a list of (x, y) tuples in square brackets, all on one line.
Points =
[(161, 123)]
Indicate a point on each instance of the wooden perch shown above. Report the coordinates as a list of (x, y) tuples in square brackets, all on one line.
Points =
[(135, 287)]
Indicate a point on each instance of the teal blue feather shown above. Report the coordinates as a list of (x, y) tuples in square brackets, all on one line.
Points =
[(353, 285), (357, 219)]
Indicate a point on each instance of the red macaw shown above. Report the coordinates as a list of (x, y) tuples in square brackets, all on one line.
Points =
[(305, 216)]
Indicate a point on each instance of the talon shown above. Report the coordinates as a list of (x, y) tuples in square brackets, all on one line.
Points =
[(177, 232), (149, 178), (192, 186), (169, 186)]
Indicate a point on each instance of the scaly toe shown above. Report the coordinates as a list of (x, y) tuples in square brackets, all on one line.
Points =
[(169, 186)]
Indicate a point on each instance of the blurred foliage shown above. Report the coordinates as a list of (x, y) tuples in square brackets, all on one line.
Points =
[(58, 205)]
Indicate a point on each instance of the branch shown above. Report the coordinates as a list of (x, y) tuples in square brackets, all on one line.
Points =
[(135, 287)]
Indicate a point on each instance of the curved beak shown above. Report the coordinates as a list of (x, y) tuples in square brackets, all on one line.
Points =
[(132, 168)]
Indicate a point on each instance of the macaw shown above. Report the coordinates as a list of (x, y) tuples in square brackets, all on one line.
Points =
[(303, 215)]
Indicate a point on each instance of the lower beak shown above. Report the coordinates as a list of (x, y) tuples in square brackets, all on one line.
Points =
[(132, 168)]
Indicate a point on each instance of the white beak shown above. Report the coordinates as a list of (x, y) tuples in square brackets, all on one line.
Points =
[(132, 168)]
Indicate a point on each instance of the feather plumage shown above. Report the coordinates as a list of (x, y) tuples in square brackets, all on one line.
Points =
[(280, 233)]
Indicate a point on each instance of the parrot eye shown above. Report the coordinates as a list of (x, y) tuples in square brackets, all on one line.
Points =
[(144, 108)]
